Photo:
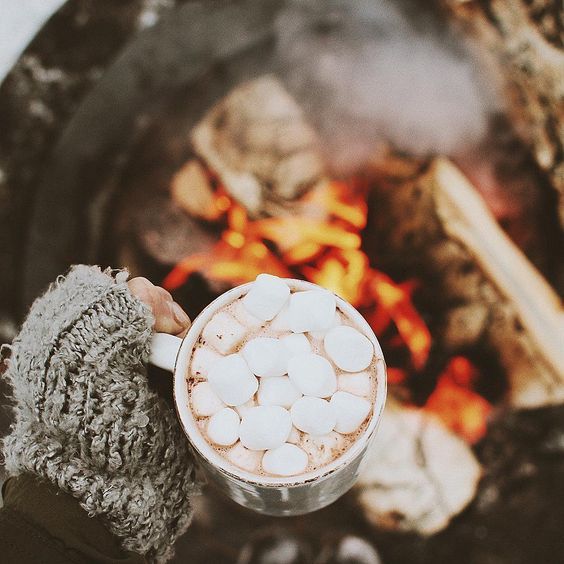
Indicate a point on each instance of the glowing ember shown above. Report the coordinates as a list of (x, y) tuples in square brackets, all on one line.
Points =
[(322, 243), (239, 256), (396, 375), (457, 404), (396, 300)]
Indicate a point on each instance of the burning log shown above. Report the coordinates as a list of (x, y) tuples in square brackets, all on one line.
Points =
[(191, 189), (258, 142), (524, 40), (161, 232), (418, 474), (441, 225), (321, 241)]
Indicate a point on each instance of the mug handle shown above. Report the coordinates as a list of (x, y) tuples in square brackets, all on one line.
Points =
[(164, 350)]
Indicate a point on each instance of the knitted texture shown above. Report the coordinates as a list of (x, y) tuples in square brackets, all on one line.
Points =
[(85, 418)]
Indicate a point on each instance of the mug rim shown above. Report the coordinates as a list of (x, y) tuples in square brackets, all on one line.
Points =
[(219, 462)]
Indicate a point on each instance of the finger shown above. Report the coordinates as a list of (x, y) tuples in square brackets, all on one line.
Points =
[(182, 318), (173, 320), (169, 316), (183, 333)]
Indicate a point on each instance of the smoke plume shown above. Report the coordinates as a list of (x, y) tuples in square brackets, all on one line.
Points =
[(367, 73)]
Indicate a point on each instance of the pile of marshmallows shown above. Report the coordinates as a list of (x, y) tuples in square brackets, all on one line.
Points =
[(295, 388)]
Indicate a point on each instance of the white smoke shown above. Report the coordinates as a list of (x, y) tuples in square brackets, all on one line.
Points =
[(367, 74)]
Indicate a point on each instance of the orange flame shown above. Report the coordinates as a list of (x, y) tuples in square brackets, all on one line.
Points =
[(322, 243), (324, 249), (396, 301), (455, 402)]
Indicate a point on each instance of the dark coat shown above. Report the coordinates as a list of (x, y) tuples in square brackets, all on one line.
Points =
[(42, 525)]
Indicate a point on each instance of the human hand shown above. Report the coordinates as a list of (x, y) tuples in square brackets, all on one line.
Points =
[(87, 419), (169, 316)]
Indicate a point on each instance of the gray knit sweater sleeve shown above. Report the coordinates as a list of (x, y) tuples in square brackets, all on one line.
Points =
[(85, 418)]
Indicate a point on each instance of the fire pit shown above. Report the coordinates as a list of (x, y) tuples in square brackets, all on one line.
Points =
[(200, 158)]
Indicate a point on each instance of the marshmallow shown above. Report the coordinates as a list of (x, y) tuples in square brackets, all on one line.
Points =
[(357, 383), (351, 411), (202, 360), (296, 343), (224, 333), (223, 427), (204, 400), (245, 318), (313, 415), (232, 380), (244, 458), (281, 322), (349, 349), (243, 408), (312, 374), (286, 460), (294, 437), (267, 296), (312, 310), (278, 391), (266, 357), (323, 448), (320, 335), (265, 427)]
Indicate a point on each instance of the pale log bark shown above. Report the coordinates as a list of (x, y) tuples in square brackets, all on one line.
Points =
[(436, 221), (525, 41), (259, 143), (191, 189), (418, 474)]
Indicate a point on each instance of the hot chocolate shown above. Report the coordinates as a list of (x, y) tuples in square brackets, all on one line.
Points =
[(282, 382)]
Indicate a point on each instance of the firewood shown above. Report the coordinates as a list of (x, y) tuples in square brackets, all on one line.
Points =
[(439, 225), (418, 474), (191, 189), (165, 234), (258, 142), (525, 43)]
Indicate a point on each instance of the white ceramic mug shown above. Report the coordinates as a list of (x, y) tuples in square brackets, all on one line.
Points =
[(270, 495)]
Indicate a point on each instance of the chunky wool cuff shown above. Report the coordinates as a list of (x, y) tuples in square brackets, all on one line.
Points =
[(85, 418)]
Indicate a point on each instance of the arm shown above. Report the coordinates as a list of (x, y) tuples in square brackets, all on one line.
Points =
[(85, 418)]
